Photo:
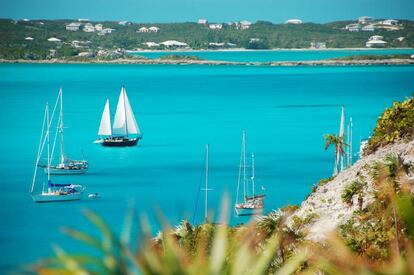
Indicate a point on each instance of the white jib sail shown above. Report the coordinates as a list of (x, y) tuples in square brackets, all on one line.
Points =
[(130, 118), (119, 120), (105, 126)]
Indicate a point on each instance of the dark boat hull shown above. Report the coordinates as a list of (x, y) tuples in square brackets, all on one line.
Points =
[(120, 142)]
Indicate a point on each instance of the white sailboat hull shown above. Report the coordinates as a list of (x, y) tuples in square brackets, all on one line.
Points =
[(64, 171), (52, 197), (248, 211)]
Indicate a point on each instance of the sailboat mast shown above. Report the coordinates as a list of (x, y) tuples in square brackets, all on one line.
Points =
[(244, 166), (39, 151), (341, 135), (126, 120), (206, 197), (350, 142), (62, 152), (253, 174), (48, 143)]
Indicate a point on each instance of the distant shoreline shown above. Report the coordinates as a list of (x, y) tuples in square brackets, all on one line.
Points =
[(264, 50), (157, 61)]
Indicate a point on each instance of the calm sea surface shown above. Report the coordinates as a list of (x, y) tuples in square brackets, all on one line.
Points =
[(275, 55), (285, 112)]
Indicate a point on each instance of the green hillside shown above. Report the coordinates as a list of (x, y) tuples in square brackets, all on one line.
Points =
[(264, 34)]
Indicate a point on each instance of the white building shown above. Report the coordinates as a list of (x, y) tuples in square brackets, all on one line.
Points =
[(151, 44), (88, 28), (215, 26), (365, 20), (353, 27), (143, 29), (124, 23), (294, 21), (401, 38), (154, 29), (376, 41), (74, 27), (83, 20), (202, 21), (244, 25), (368, 28), (98, 27), (106, 31), (390, 22), (85, 54), (216, 44), (174, 43), (29, 38), (54, 39), (318, 45)]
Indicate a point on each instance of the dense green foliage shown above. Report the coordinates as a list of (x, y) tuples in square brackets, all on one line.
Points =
[(395, 124), (261, 35)]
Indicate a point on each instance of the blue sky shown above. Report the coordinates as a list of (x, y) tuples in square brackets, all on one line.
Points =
[(214, 10)]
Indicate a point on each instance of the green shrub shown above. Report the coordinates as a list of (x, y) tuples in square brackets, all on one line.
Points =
[(352, 189), (395, 124)]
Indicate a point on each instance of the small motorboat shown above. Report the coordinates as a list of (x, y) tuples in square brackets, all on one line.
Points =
[(93, 195)]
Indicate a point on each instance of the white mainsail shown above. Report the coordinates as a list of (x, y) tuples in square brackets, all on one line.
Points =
[(130, 118), (124, 122), (105, 126)]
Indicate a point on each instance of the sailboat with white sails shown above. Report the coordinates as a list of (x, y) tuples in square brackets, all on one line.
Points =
[(52, 192), (66, 166), (125, 130), (251, 204)]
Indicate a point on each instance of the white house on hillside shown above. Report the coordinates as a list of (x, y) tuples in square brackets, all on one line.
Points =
[(98, 27), (73, 27), (154, 29), (174, 43), (244, 25), (294, 21), (390, 22), (29, 38), (88, 27), (151, 44), (54, 39), (365, 20), (202, 21), (143, 29), (124, 23), (368, 28), (353, 27), (106, 31), (215, 26), (376, 41)]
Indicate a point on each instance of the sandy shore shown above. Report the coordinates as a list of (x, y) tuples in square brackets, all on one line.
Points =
[(329, 62)]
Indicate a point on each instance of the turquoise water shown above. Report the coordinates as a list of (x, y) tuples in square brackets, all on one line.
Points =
[(275, 55), (285, 112)]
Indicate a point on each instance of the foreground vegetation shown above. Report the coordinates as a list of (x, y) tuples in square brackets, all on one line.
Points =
[(261, 35)]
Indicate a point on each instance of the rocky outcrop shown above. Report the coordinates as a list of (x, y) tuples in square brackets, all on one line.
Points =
[(326, 205)]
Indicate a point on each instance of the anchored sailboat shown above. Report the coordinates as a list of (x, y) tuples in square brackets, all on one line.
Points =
[(66, 166), (124, 125), (53, 192), (253, 204)]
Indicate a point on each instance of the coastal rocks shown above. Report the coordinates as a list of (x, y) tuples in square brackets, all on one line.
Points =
[(327, 204), (185, 61)]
